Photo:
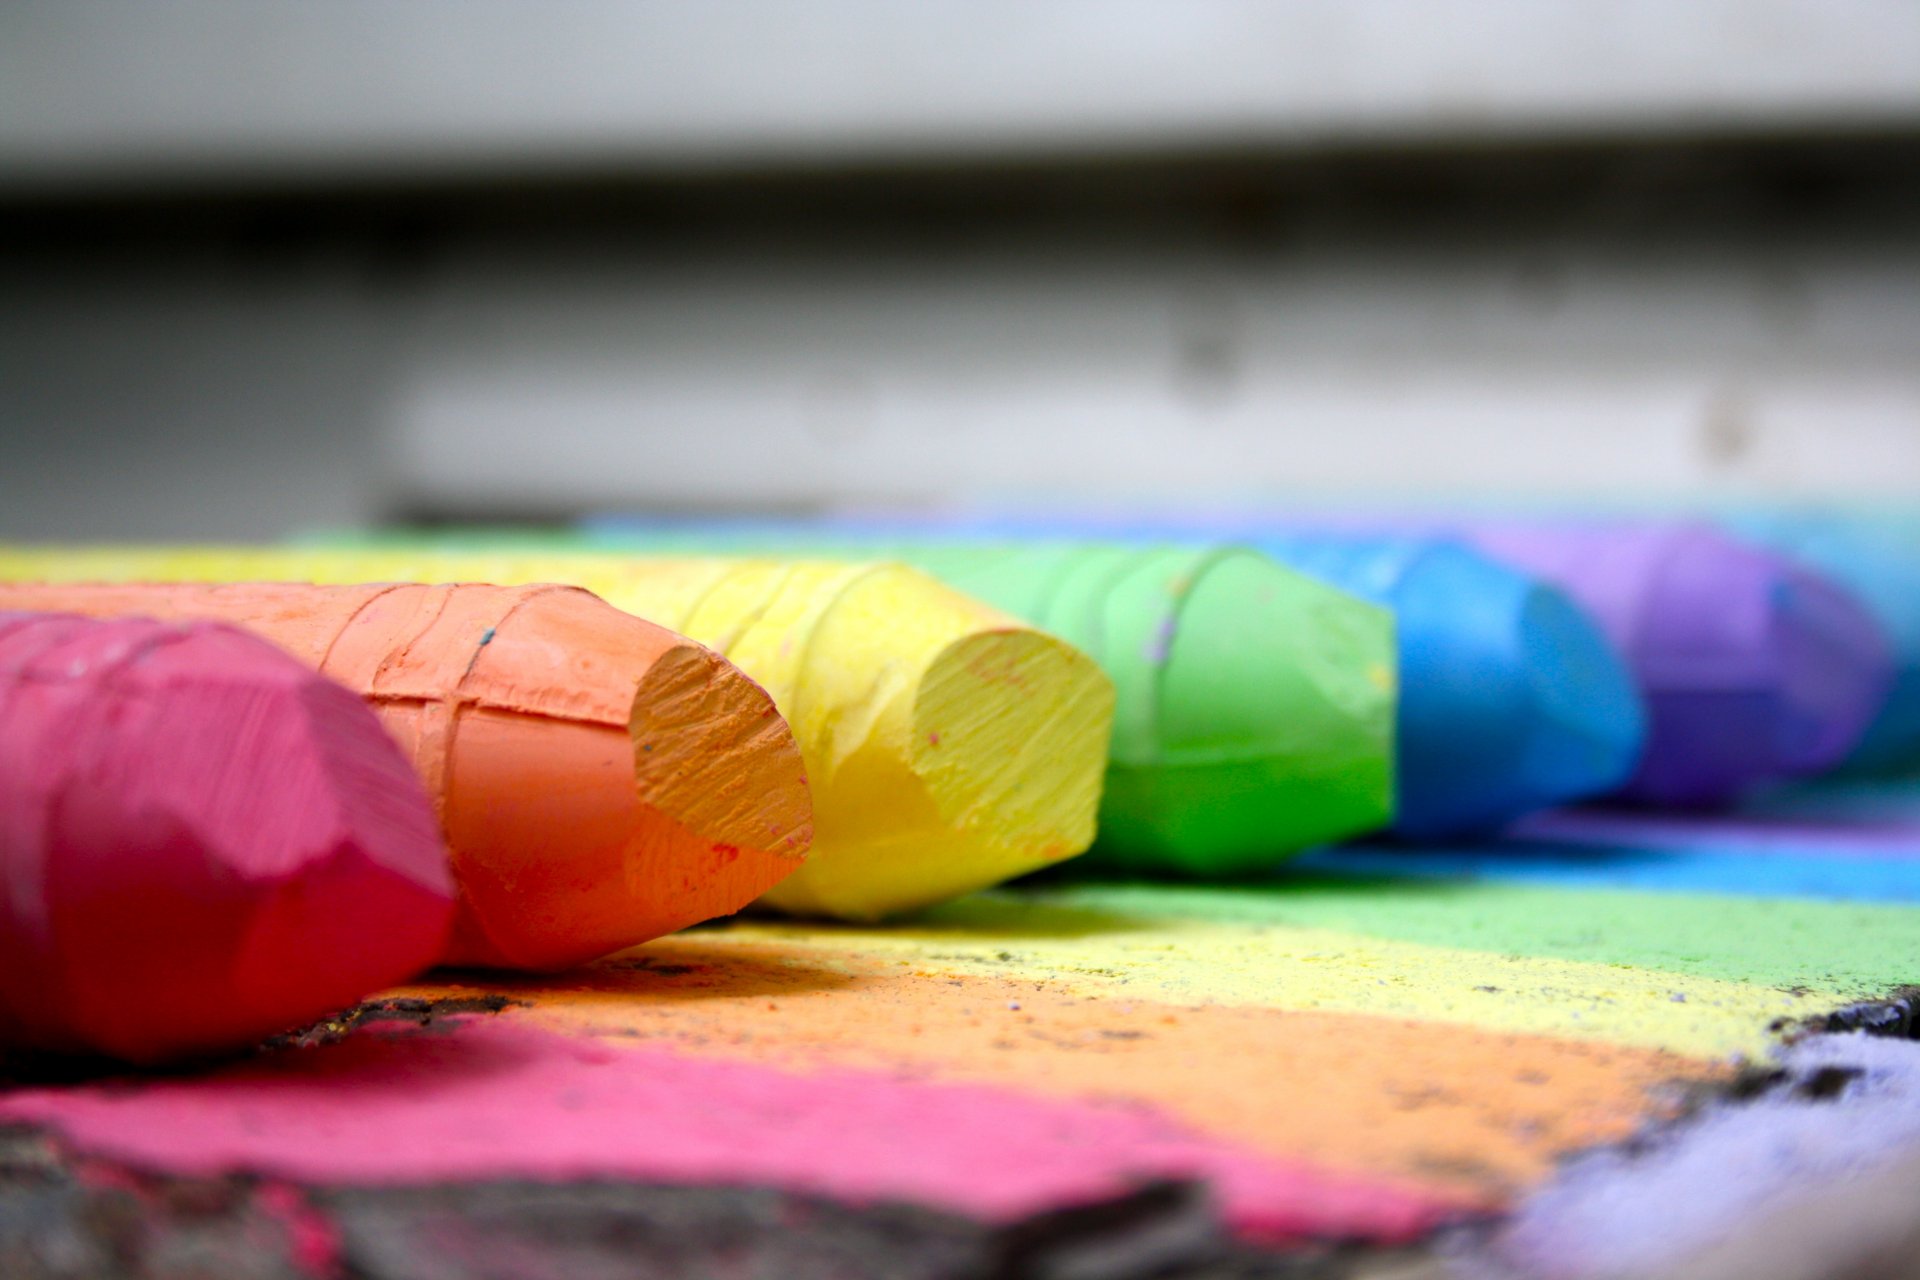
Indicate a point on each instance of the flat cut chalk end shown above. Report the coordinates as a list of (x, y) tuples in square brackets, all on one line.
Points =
[(686, 804), (999, 774)]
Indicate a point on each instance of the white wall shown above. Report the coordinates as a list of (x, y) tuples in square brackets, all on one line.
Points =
[(95, 91), (610, 373), (1306, 246)]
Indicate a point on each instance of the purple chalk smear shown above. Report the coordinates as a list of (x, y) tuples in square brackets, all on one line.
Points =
[(1618, 1214), (1626, 828), (1161, 646)]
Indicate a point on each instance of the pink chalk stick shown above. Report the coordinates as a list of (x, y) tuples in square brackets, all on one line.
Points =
[(485, 1099), (202, 842)]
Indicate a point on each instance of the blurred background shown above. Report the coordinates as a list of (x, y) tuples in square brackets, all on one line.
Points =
[(267, 266)]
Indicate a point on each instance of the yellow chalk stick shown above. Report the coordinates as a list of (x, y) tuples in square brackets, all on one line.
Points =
[(949, 747)]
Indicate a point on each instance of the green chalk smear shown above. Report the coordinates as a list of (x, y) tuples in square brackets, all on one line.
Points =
[(1865, 949)]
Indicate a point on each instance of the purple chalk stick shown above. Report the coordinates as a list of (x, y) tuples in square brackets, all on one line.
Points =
[(1754, 667), (1847, 1109)]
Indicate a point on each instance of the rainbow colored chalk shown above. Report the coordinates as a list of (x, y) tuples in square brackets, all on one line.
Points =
[(1753, 667), (1362, 1049), (1255, 712), (1510, 699), (202, 842), (601, 781), (1357, 1049), (948, 747), (1255, 705)]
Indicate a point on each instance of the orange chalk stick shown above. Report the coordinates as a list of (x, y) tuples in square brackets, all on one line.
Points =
[(601, 780)]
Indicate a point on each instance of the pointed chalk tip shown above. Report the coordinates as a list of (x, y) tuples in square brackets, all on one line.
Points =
[(1882, 568), (241, 848), (1804, 669), (1836, 669), (1590, 723), (1513, 699)]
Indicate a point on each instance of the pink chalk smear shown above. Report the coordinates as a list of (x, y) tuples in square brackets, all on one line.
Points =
[(479, 1099)]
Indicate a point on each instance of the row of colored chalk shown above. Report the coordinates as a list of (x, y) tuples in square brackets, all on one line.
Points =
[(206, 836), (1664, 662), (600, 780), (1236, 738), (1258, 707), (1244, 711), (1233, 742), (1468, 695)]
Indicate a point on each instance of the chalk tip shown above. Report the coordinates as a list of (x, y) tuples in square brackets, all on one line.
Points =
[(1513, 698), (243, 849), (1758, 669), (622, 782), (1275, 729), (1589, 723), (712, 750), (1882, 569), (999, 775), (1034, 713)]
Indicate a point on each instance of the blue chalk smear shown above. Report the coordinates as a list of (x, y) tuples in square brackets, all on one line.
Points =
[(1727, 870)]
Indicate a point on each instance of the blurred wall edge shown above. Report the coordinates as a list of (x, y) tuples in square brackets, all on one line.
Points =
[(271, 264)]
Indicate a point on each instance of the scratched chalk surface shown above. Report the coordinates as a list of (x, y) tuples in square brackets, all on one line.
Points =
[(1378, 1041)]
